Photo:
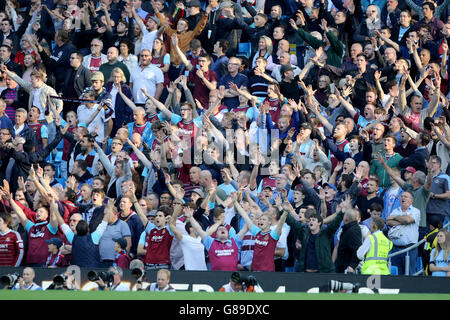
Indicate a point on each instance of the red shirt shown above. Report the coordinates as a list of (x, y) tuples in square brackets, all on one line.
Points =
[(157, 244), (201, 91), (11, 249), (122, 260), (263, 253), (37, 247), (223, 256)]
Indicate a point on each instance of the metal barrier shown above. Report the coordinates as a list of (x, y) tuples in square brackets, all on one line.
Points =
[(407, 258)]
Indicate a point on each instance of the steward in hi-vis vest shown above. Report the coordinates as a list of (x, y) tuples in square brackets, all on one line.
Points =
[(375, 249)]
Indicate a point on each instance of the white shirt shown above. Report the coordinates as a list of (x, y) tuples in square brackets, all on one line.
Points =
[(147, 78), (410, 232), (37, 103), (193, 252), (148, 38), (84, 113)]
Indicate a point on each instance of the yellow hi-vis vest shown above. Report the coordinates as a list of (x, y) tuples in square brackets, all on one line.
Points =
[(376, 261)]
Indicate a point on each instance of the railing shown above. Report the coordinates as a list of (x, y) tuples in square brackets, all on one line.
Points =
[(407, 257)]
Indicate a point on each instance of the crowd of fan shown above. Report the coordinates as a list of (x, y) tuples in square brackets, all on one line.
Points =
[(220, 135)]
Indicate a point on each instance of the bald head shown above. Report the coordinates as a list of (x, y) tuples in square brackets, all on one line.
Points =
[(112, 54)]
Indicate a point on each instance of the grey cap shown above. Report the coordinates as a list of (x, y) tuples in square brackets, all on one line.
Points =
[(194, 3), (286, 68), (199, 192), (154, 18), (151, 213)]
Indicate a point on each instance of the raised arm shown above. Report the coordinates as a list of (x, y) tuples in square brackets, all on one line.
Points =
[(281, 222), (109, 167), (198, 228), (243, 214), (173, 220)]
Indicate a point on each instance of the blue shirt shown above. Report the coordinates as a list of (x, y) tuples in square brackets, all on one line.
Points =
[(439, 262), (239, 80)]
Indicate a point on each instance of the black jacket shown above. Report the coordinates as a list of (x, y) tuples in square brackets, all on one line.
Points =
[(416, 160), (24, 160), (349, 243), (81, 82)]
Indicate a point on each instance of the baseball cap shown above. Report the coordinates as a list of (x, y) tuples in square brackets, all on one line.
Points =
[(286, 68), (199, 192), (306, 125), (193, 3), (154, 18), (151, 213), (329, 185), (411, 169), (56, 241), (122, 242), (97, 75)]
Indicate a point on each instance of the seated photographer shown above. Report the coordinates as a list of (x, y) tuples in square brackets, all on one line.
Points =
[(64, 281), (25, 282), (161, 284), (112, 281), (239, 283)]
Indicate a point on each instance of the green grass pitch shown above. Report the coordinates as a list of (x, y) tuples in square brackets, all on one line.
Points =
[(96, 295)]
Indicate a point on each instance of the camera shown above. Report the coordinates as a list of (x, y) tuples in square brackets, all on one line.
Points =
[(9, 280), (245, 281), (138, 274), (107, 277), (59, 279), (337, 286)]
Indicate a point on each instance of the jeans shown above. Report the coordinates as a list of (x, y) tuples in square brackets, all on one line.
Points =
[(399, 260)]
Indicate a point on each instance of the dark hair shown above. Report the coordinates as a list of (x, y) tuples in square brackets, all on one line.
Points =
[(166, 210), (316, 216), (347, 179), (376, 205), (99, 191), (79, 55), (8, 48), (6, 216), (187, 226), (51, 165), (430, 5), (81, 164), (224, 44), (425, 138), (128, 43), (82, 228)]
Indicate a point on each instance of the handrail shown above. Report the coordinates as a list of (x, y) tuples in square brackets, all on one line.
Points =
[(414, 246), (411, 248)]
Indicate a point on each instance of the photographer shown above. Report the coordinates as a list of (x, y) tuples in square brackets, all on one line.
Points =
[(25, 282), (239, 284), (161, 284), (65, 281), (112, 282)]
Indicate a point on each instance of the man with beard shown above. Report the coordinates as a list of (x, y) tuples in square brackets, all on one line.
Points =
[(363, 202), (315, 252)]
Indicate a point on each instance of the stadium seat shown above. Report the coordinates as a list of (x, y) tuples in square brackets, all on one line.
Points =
[(245, 49), (419, 265), (394, 271), (62, 181), (58, 157)]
